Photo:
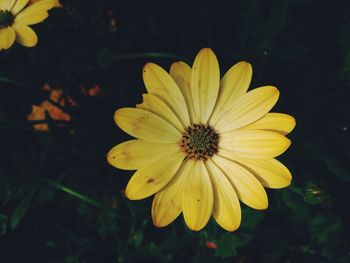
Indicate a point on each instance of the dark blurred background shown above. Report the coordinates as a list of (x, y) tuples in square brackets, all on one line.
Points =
[(61, 202)]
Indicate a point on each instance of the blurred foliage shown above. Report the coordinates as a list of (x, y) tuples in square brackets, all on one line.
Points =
[(61, 202)]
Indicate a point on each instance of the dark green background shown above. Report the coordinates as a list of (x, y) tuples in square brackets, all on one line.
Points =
[(300, 46)]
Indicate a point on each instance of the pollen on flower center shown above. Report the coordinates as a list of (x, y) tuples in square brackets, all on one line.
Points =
[(199, 142), (6, 18)]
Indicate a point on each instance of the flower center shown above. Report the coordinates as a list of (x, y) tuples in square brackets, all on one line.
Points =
[(200, 142), (6, 18)]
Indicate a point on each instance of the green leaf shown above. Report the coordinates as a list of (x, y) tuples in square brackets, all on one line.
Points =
[(106, 56), (339, 165), (15, 82), (314, 195), (276, 20), (136, 238), (227, 245), (21, 210), (156, 252), (75, 194), (251, 218), (51, 244), (323, 226), (3, 224), (74, 238), (295, 202)]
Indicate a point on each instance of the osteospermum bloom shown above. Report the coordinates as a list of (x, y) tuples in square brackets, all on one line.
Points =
[(203, 143), (15, 18)]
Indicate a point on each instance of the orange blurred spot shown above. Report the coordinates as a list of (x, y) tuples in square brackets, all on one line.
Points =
[(211, 245), (95, 91), (92, 91), (113, 24), (38, 113), (56, 95), (56, 113)]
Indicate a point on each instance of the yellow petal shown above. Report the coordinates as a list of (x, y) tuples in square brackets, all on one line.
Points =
[(270, 172), (32, 18), (134, 154), (44, 4), (35, 13), (257, 144), (167, 203), (6, 4), (197, 200), (158, 82), (143, 105), (248, 188), (18, 6), (3, 4), (146, 125), (57, 2), (247, 109), (233, 85), (278, 122), (25, 35), (159, 107), (181, 73), (205, 82), (152, 177), (7, 37), (227, 210)]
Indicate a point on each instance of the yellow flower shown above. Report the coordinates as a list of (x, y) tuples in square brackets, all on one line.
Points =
[(15, 18), (57, 2), (203, 143)]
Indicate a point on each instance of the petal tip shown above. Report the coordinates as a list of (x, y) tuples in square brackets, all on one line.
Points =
[(231, 226), (112, 159), (109, 157), (117, 115), (129, 195), (146, 67), (262, 205), (247, 67), (195, 228), (245, 64), (285, 144), (288, 183), (275, 93), (195, 225), (177, 64), (293, 123), (274, 89), (206, 51), (288, 143), (158, 223)]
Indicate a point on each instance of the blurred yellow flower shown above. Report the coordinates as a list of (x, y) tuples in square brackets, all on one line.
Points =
[(15, 18), (203, 143)]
